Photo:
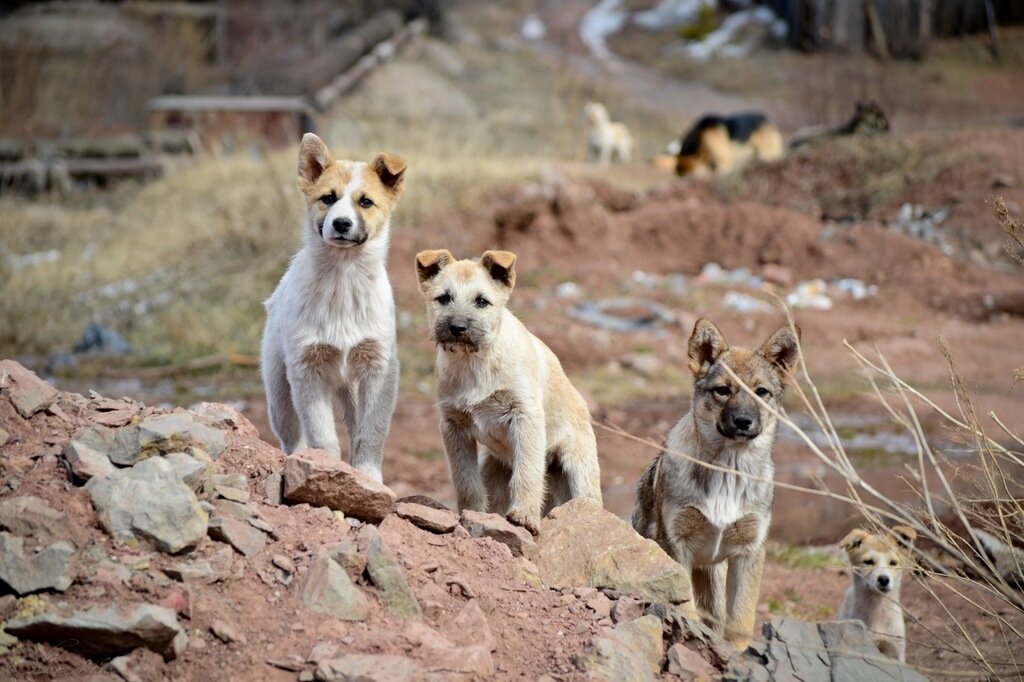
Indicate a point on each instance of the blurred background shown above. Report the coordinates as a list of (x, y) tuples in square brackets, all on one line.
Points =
[(148, 202)]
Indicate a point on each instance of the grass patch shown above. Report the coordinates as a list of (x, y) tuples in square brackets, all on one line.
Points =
[(802, 558)]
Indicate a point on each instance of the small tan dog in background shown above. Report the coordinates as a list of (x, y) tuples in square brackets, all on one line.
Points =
[(517, 434), (606, 139), (711, 521), (877, 563)]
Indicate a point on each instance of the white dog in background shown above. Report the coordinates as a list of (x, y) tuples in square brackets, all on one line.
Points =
[(606, 139)]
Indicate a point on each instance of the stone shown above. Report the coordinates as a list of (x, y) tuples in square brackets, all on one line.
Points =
[(27, 572), (629, 651), (600, 605), (387, 575), (470, 627), (224, 417), (233, 494), (121, 445), (842, 637), (192, 472), (226, 632), (148, 503), (27, 392), (102, 633), (235, 510), (239, 534), (582, 544), (85, 462), (428, 518), (626, 608), (448, 660), (203, 571), (327, 589), (684, 662), (283, 562), (260, 524), (347, 554), (4, 437), (484, 525), (322, 480), (28, 515), (178, 432), (368, 668), (424, 501), (273, 489)]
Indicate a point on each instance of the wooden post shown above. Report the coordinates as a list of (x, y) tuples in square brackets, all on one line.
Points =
[(990, 17), (877, 32)]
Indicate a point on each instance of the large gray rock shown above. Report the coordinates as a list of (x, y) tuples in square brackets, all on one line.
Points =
[(387, 575), (27, 572), (101, 633), (841, 651), (239, 534), (26, 391), (193, 472), (328, 589), (368, 668), (630, 651), (179, 432), (323, 480), (120, 445), (484, 525), (86, 462), (582, 544), (148, 503)]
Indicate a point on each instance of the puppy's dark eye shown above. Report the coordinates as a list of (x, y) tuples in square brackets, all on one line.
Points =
[(444, 299), (329, 198), (892, 563), (366, 202), (481, 302), (869, 562), (763, 392), (723, 391)]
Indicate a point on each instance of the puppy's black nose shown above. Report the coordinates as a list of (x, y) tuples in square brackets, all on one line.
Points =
[(883, 581), (742, 423), (341, 225), (456, 329)]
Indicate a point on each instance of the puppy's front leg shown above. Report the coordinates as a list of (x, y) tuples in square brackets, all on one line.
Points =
[(743, 586), (313, 401), (460, 445), (529, 466), (374, 406)]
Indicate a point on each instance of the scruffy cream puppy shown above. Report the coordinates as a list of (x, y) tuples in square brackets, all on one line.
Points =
[(517, 434), (606, 139), (330, 333), (877, 563), (714, 521)]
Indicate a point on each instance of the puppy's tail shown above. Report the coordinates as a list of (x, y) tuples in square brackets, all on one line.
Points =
[(643, 508)]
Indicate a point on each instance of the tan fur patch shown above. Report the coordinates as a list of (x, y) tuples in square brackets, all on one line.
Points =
[(366, 357), (321, 357), (691, 527), (742, 532)]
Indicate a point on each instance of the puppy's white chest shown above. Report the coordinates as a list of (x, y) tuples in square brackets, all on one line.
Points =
[(723, 504)]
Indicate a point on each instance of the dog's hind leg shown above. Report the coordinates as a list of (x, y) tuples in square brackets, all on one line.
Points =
[(284, 420), (496, 477), (709, 594), (368, 417), (744, 585)]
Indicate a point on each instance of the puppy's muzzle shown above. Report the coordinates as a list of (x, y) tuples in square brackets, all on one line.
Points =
[(344, 232), (884, 583), (740, 424), (452, 334)]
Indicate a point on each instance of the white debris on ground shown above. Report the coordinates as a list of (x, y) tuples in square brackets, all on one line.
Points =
[(738, 35), (810, 295), (914, 221), (568, 290), (606, 18), (674, 282), (672, 13), (533, 28), (745, 303), (713, 273)]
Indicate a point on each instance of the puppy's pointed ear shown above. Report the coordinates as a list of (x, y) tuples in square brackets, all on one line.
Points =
[(905, 534), (501, 265), (314, 157), (706, 344), (853, 539), (391, 171), (429, 263), (783, 348)]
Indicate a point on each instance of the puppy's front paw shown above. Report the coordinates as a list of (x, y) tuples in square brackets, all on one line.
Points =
[(530, 522)]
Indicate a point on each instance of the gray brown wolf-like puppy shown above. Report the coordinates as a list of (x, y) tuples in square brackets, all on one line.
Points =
[(330, 333), (877, 564), (606, 139), (868, 119), (713, 522), (717, 145), (517, 434)]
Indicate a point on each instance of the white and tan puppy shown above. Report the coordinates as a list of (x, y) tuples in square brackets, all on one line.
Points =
[(517, 434), (877, 563), (330, 333), (606, 140)]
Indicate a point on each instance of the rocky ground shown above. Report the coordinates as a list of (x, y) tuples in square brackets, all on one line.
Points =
[(144, 544)]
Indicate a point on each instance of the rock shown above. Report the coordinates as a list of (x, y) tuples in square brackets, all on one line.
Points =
[(4, 437), (283, 562), (582, 544), (203, 571), (85, 462), (387, 575), (424, 501), (235, 510), (471, 627), (239, 534), (226, 632), (178, 432), (628, 651), (322, 480), (273, 489), (441, 656), (792, 649), (26, 391), (120, 446), (368, 668), (328, 589), (626, 608), (101, 633), (223, 417), (428, 518), (484, 525), (260, 524), (684, 662), (190, 470), (149, 503), (30, 572), (347, 554), (233, 494), (600, 605), (29, 515)]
